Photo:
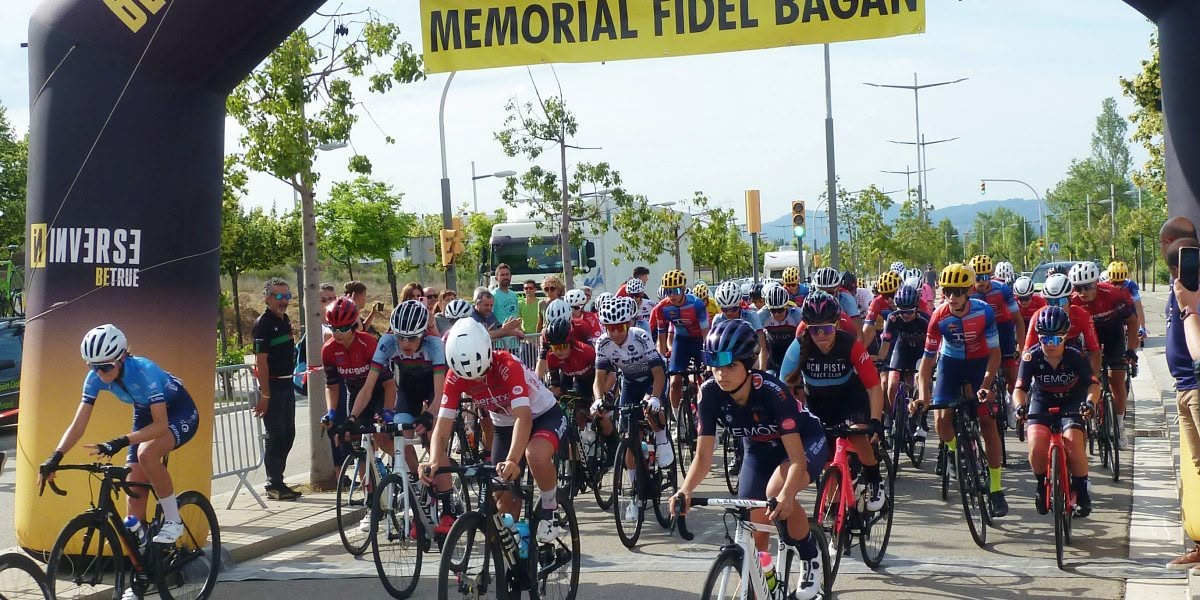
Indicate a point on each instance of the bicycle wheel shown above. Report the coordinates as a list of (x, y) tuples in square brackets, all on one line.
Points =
[(968, 483), (21, 578), (555, 567), (396, 552), (944, 465), (567, 466), (353, 494), (724, 580), (16, 300), (877, 526), (602, 465), (1058, 506), (916, 453), (87, 560), (626, 502), (829, 497), (685, 433), (189, 568), (1114, 434), (729, 454), (471, 567), (899, 433), (663, 483)]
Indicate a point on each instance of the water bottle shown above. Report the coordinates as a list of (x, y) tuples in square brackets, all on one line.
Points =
[(523, 532), (382, 468), (134, 525), (768, 567), (648, 452), (509, 534)]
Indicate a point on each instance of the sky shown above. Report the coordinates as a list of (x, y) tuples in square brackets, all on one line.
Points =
[(723, 123)]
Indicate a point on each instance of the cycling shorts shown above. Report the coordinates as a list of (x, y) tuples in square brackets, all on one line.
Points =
[(684, 350), (905, 358), (377, 403), (1039, 407), (761, 461), (1112, 346), (1008, 340), (634, 391), (550, 426), (841, 406), (182, 421), (952, 374)]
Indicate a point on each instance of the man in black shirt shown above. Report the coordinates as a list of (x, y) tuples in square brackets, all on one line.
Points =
[(274, 356)]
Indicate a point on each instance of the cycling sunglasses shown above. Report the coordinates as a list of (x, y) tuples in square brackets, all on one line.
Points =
[(672, 291), (102, 367), (982, 277), (1084, 287), (955, 291), (718, 359), (822, 329), (905, 311), (618, 328), (342, 329), (1058, 301), (557, 347), (1051, 340), (410, 338)]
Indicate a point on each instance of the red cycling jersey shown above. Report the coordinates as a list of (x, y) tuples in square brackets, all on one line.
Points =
[(879, 309), (1081, 324), (350, 365), (1000, 297), (586, 328), (582, 360), (1036, 301), (505, 386), (1111, 307)]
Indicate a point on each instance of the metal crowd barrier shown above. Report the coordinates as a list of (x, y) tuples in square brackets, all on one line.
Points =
[(238, 438), (529, 349)]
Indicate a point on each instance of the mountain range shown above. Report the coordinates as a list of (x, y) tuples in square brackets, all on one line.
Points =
[(961, 215)]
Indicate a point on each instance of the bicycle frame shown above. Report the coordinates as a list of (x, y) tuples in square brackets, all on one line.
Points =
[(754, 580), (112, 480), (1056, 441), (411, 492)]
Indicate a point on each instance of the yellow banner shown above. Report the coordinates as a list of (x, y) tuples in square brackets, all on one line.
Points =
[(479, 34)]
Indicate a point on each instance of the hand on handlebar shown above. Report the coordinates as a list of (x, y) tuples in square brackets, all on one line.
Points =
[(508, 470), (110, 448), (427, 470), (654, 404), (46, 470), (783, 509), (680, 503), (984, 395)]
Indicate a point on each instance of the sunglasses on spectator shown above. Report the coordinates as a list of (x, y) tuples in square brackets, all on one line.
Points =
[(431, 296), (822, 329), (342, 329), (102, 367), (1084, 287), (618, 328), (1051, 340), (955, 291), (718, 359), (558, 347), (283, 296), (531, 288)]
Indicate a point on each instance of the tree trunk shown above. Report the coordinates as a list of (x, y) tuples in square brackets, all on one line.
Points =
[(237, 308), (391, 275), (350, 268)]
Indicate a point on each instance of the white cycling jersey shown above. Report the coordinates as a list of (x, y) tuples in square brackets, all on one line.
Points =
[(634, 359)]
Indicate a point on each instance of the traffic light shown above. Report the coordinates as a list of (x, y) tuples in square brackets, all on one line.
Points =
[(982, 188), (448, 246), (798, 227), (1041, 246)]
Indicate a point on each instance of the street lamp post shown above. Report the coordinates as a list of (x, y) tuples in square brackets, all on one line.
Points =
[(830, 172), (447, 211), (925, 162), (475, 188), (1041, 217)]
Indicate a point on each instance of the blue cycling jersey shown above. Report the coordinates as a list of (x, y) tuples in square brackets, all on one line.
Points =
[(745, 314), (142, 384)]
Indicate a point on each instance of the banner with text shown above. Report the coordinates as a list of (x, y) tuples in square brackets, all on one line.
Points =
[(479, 34)]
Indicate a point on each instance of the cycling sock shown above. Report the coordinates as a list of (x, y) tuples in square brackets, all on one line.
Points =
[(994, 476), (170, 508), (872, 473), (807, 548), (660, 437), (445, 502), (631, 474), (1041, 480), (549, 498), (1079, 483), (952, 445)]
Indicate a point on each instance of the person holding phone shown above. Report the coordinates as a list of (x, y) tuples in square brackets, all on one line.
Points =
[(357, 292)]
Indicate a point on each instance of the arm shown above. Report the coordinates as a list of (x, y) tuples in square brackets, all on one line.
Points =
[(79, 424), (764, 354), (1020, 321), (264, 383), (660, 378), (797, 473), (1131, 333), (437, 452), (993, 367), (439, 386), (364, 395), (1141, 313), (522, 428), (158, 412), (875, 395), (542, 369), (925, 376), (602, 384)]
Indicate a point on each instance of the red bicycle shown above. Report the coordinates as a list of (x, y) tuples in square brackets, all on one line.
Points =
[(842, 503), (1059, 494)]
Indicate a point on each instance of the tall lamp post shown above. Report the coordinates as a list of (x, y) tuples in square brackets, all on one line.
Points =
[(923, 189), (474, 178), (1041, 216), (447, 210)]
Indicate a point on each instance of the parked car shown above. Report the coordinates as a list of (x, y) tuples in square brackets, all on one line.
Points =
[(1060, 266), (12, 337)]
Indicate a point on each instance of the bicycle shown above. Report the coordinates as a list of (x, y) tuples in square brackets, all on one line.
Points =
[(904, 427), (970, 466), (95, 545), (738, 557), (685, 415), (358, 479), (504, 573), (841, 506), (1001, 412), (584, 458), (732, 452), (1104, 429), (21, 577), (1058, 484), (652, 480), (12, 295)]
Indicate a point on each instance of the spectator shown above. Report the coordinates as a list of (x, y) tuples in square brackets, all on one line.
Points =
[(642, 273), (357, 292), (412, 291), (552, 286), (1181, 351), (931, 276), (439, 319), (506, 306), (275, 359), (483, 312), (529, 308), (327, 295), (587, 291), (431, 299)]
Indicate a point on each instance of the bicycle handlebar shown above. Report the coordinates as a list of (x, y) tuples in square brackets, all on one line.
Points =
[(114, 473), (770, 504)]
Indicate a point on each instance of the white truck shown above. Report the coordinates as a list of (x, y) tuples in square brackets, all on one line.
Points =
[(532, 252), (775, 262)]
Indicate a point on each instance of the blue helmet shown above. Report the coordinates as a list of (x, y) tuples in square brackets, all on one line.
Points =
[(729, 341), (1053, 320), (907, 298)]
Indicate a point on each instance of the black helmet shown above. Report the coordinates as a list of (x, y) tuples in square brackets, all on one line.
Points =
[(820, 307), (558, 331), (756, 292), (907, 298), (728, 341), (849, 279), (1053, 320)]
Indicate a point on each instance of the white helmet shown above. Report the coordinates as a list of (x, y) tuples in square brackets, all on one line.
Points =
[(635, 286), (604, 297), (913, 282), (1084, 273), (747, 288), (913, 273), (897, 266), (558, 309), (469, 349), (1104, 275), (1056, 286), (1004, 272), (728, 295), (620, 309), (1023, 287), (576, 298), (827, 277), (410, 318), (776, 296), (103, 344), (457, 309)]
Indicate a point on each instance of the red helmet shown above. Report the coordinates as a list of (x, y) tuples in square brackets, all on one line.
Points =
[(341, 312)]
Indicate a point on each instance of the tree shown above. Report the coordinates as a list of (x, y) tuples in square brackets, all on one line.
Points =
[(14, 159), (648, 231), (478, 240), (863, 219), (1109, 149), (718, 243), (1145, 89), (363, 219), (952, 244), (912, 233)]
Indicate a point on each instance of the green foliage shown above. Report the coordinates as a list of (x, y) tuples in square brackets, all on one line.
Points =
[(648, 231), (998, 234), (477, 239), (233, 355), (14, 158), (362, 219), (870, 237), (1145, 89), (717, 242)]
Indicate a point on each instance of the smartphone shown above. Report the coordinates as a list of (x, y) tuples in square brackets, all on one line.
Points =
[(1189, 268), (378, 306)]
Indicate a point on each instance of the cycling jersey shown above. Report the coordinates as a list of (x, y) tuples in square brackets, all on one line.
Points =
[(635, 359), (848, 303), (879, 309), (687, 320), (968, 337), (780, 332), (907, 339), (1081, 326), (1000, 297), (1064, 386), (586, 328), (711, 307), (836, 383), (748, 315), (1110, 308), (1036, 302), (1131, 286), (581, 361), (414, 373), (797, 297), (505, 386), (142, 384), (351, 365)]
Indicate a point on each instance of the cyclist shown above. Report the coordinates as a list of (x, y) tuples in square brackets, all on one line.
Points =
[(455, 309), (1054, 375), (728, 298), (840, 384), (570, 365), (962, 337), (1082, 335), (528, 421), (1118, 275), (1116, 325), (785, 444), (164, 418), (1005, 273), (1028, 302), (778, 321), (897, 267), (584, 323), (862, 296), (828, 280), (700, 290), (791, 282), (630, 351), (1009, 324), (902, 342), (881, 305), (687, 319)]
